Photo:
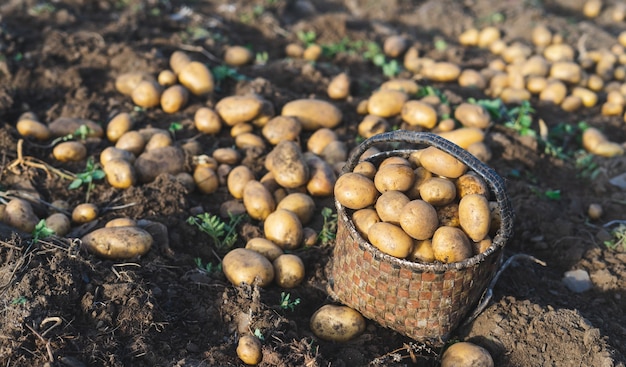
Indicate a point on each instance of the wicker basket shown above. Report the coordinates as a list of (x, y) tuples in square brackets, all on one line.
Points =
[(426, 302)]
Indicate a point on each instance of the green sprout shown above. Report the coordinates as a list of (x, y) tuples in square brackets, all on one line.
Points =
[(307, 37), (208, 267), (174, 127), (261, 58), (618, 240), (432, 91), (520, 119), (495, 107), (223, 234), (329, 227), (287, 303), (375, 54), (548, 194), (223, 72), (441, 44), (41, 231), (21, 300), (91, 173), (81, 133), (259, 334)]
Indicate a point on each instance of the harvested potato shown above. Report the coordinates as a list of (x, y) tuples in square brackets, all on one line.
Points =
[(238, 55), (84, 213), (19, 213), (237, 180), (288, 165), (288, 270), (246, 266), (595, 211), (390, 239), (481, 246), (265, 247), (389, 205), (554, 92), (394, 177), (407, 86), (571, 103), (237, 109), (335, 152), (442, 72), (595, 142), (197, 78), (469, 37), (249, 350), (121, 222), (227, 155), (421, 174), (313, 113), (372, 125), (158, 161), (437, 191), (266, 114), (475, 216), (450, 244), (567, 71), (158, 140), (472, 78), (167, 78), (355, 191), (320, 139), (294, 50), (282, 128), (591, 8), (422, 252), (120, 173), (174, 98), (249, 141), (386, 103), (59, 223), (69, 151), (206, 179), (395, 45), (312, 52), (127, 82), (64, 126), (514, 95), (558, 52), (118, 126), (241, 128), (339, 86), (588, 97), (207, 121), (178, 60), (110, 153), (487, 36), (300, 204), (465, 354), (258, 201), (472, 115), (419, 219), (118, 242), (441, 163), (147, 94), (32, 128), (465, 136), (131, 141), (284, 229), (471, 183), (322, 178), (417, 113), (363, 220), (365, 168), (337, 323), (541, 36)]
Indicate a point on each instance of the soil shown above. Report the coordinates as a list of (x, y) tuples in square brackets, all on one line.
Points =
[(60, 306)]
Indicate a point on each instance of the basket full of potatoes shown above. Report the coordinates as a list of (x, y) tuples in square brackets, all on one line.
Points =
[(420, 233)]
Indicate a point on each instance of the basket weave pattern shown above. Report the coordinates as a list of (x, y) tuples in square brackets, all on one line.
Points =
[(426, 302)]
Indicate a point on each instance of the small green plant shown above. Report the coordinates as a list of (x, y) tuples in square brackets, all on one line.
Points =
[(520, 119), (41, 231), (586, 165), (287, 303), (375, 54), (174, 127), (223, 72), (209, 267), (41, 9), (261, 58), (441, 44), (329, 227), (548, 194), (21, 300), (81, 133), (224, 235), (259, 334), (432, 91), (495, 107), (307, 37), (87, 177), (618, 242)]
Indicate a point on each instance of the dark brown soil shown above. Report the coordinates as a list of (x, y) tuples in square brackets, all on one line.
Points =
[(60, 306)]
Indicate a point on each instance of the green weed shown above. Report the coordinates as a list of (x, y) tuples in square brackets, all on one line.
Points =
[(174, 127), (208, 267), (287, 303), (307, 37), (81, 133), (329, 227), (618, 242), (520, 119), (224, 235), (41, 231), (87, 177)]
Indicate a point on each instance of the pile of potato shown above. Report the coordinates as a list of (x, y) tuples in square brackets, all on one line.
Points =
[(425, 208)]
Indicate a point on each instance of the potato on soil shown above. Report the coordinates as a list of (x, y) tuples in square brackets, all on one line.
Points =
[(249, 350), (161, 160), (110, 153), (118, 126), (395, 45), (339, 86), (442, 72), (389, 205), (249, 141), (237, 180), (59, 223), (284, 229), (246, 266), (441, 163), (288, 165), (595, 142), (120, 173), (131, 141), (265, 247), (465, 354), (178, 60), (300, 204), (337, 323), (33, 128), (174, 98), (465, 136), (451, 244), (167, 78), (158, 140), (282, 128), (207, 121), (237, 55), (320, 139), (206, 179), (19, 213), (372, 125), (288, 270), (472, 115), (237, 109), (475, 216), (85, 212), (313, 113), (69, 151), (322, 178), (197, 78), (118, 242), (386, 103), (127, 82), (407, 86), (147, 94), (363, 220), (258, 201), (63, 126), (419, 219), (121, 222), (417, 113), (390, 239), (312, 52), (355, 191), (398, 177), (227, 155)]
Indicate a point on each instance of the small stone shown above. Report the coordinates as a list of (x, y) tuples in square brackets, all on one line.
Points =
[(619, 181), (577, 281)]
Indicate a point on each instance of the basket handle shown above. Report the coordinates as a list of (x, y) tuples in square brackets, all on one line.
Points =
[(426, 138)]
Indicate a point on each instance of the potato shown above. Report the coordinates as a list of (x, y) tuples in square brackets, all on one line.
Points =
[(588, 97), (554, 92), (178, 61), (536, 84), (465, 354), (241, 128), (174, 98), (337, 323), (110, 153), (238, 55), (237, 109), (294, 50), (395, 45), (591, 8), (284, 229), (226, 155), (265, 247), (481, 246), (59, 223), (390, 239), (60, 206), (421, 174), (471, 183), (282, 128), (469, 37), (121, 222), (249, 141), (258, 201), (567, 71), (158, 161), (131, 141), (287, 163), (386, 103), (366, 169), (167, 78), (147, 94), (84, 213), (33, 128), (118, 126), (64, 126), (475, 216), (541, 36), (559, 52), (595, 211), (363, 220), (422, 252), (322, 178), (514, 95), (312, 52), (394, 177), (472, 78), (158, 140), (418, 219), (237, 180), (266, 114), (339, 86), (355, 191), (465, 136), (19, 213), (487, 36), (450, 244), (206, 179), (288, 270), (595, 142), (417, 113), (372, 125), (120, 173), (412, 62), (246, 266), (127, 82), (69, 151), (441, 163), (448, 215), (207, 121), (300, 204), (249, 350), (118, 242), (313, 113), (612, 109), (389, 205), (197, 78), (335, 152), (437, 191), (408, 86), (442, 72), (472, 115)]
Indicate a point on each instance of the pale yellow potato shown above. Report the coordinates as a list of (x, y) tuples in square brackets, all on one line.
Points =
[(441, 163), (472, 115), (394, 177), (419, 219), (206, 179), (131, 141), (84, 213), (554, 92), (284, 229), (226, 155), (339, 86), (438, 191), (355, 191), (118, 126), (313, 113), (322, 178), (249, 350), (267, 113), (487, 36), (422, 252), (442, 71), (174, 98), (465, 354), (157, 161), (469, 37), (59, 223), (595, 142), (471, 183), (335, 152), (421, 174), (395, 45), (118, 243), (559, 52), (407, 86), (33, 128), (475, 216), (591, 8), (300, 204), (390, 239), (258, 201), (246, 266), (312, 52), (389, 206), (294, 50), (386, 103), (197, 78), (207, 121), (363, 220), (167, 78), (571, 103), (417, 113), (472, 78), (282, 128), (588, 97), (158, 140), (69, 151), (238, 55), (541, 36), (366, 169), (265, 247), (237, 109), (237, 180), (337, 323), (249, 141), (121, 222), (567, 71), (288, 165), (536, 84), (127, 82), (514, 95), (320, 139), (110, 153), (288, 270), (372, 125), (465, 136), (19, 213), (147, 94), (178, 61), (120, 173), (241, 128), (451, 244)]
